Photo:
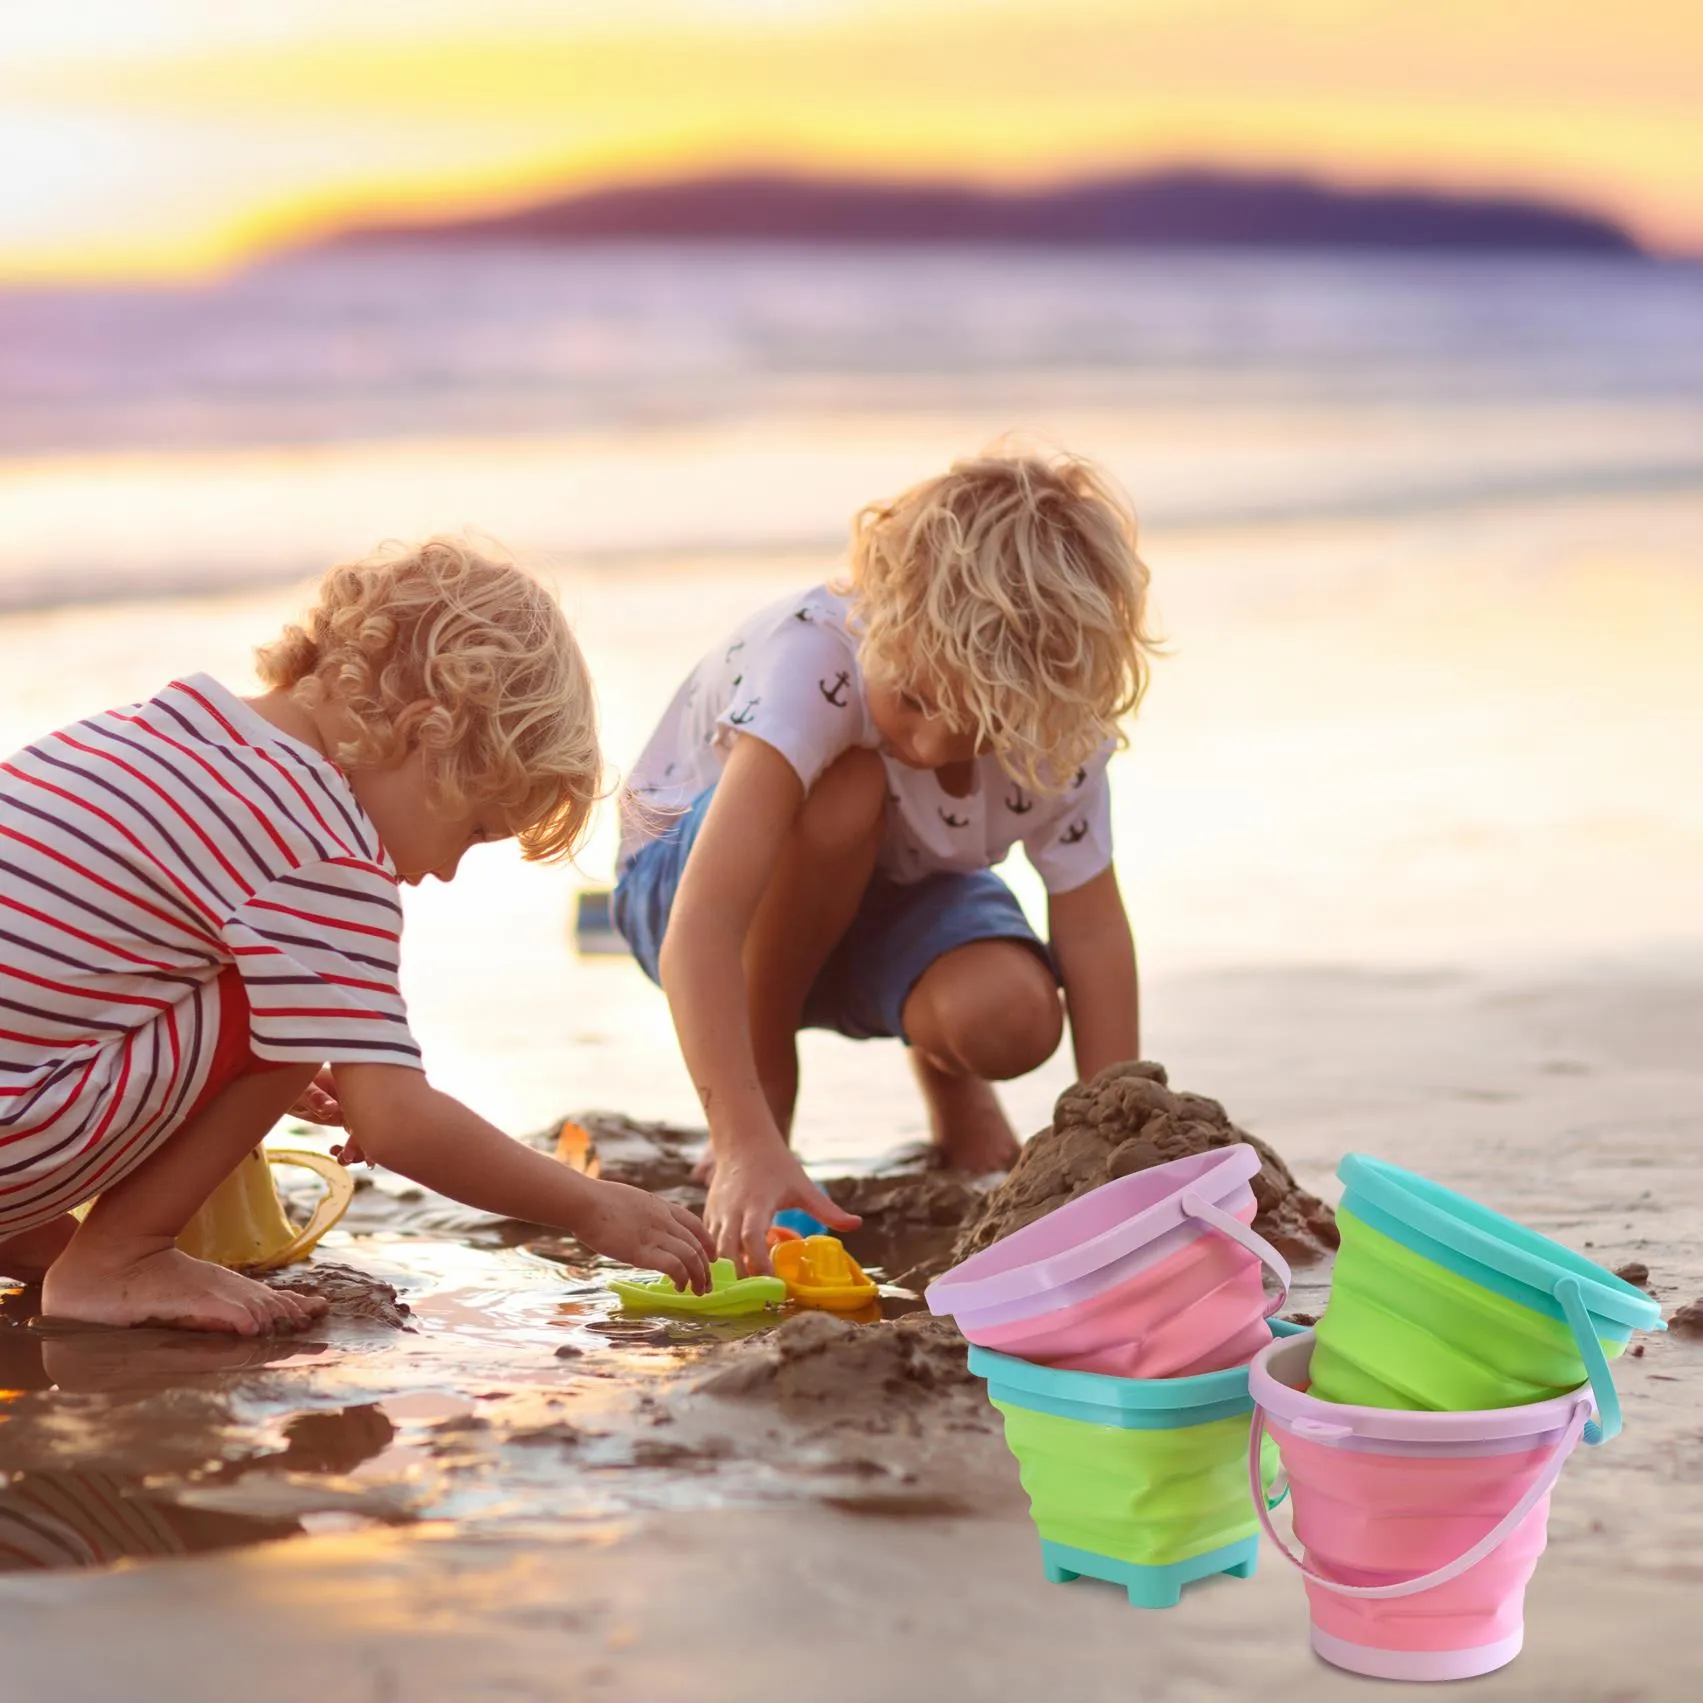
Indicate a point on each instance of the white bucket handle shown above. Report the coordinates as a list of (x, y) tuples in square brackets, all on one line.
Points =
[(1486, 1545), (1198, 1207)]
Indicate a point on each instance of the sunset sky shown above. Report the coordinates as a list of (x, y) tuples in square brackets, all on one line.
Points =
[(161, 138)]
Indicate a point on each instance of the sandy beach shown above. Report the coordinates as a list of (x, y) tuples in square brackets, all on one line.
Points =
[(475, 1517), (1410, 832)]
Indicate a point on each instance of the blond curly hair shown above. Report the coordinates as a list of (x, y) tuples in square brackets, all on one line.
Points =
[(1009, 593), (513, 720)]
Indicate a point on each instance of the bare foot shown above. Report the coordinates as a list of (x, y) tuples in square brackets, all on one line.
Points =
[(26, 1257), (104, 1286), (968, 1127)]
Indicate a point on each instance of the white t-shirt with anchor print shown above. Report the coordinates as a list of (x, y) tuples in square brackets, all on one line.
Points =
[(790, 677)]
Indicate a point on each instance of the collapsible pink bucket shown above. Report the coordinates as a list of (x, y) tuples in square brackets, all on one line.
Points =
[(1421, 1530), (1154, 1275)]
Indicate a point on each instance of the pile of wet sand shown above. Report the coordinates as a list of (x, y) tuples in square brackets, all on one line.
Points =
[(354, 1296), (1128, 1119), (816, 1359), (919, 1220)]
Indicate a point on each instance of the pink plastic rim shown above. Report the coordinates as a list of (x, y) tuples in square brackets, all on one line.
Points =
[(1083, 1291), (1091, 1233), (1275, 1372), (1376, 1663)]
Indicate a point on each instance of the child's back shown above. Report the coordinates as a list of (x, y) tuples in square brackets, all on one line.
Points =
[(146, 850), (200, 931)]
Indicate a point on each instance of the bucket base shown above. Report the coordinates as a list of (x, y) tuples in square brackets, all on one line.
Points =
[(1416, 1664), (1148, 1585)]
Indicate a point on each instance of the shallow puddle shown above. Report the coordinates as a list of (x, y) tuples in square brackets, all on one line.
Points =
[(513, 1388)]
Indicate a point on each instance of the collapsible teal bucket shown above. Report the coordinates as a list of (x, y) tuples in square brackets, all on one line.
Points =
[(1139, 1481), (1438, 1303)]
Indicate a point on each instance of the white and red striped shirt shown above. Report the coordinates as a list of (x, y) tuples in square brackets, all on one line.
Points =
[(142, 852)]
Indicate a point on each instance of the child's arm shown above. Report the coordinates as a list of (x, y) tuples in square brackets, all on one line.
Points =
[(1096, 958), (397, 1119), (733, 860)]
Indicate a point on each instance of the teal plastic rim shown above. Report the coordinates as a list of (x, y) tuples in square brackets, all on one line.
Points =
[(1465, 1236), (1503, 1256), (1126, 1404)]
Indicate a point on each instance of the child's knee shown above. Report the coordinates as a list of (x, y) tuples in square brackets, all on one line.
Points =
[(848, 803), (1000, 1014)]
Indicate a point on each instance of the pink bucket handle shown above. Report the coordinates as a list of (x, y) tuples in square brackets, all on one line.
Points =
[(1198, 1207), (1486, 1545)]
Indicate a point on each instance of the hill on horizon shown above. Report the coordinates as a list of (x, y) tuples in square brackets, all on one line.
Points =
[(1169, 209)]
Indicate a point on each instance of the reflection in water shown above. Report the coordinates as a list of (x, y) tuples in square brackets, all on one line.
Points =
[(88, 1519), (56, 1518), (519, 1390)]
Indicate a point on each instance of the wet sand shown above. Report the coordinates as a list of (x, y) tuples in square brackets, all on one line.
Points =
[(1410, 834), (519, 1495)]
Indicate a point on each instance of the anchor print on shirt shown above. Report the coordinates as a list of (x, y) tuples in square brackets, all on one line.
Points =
[(739, 717), (952, 821), (807, 615), (734, 649), (1017, 804), (835, 694), (1076, 831), (1077, 779)]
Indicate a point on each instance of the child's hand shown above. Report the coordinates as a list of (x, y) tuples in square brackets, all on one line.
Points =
[(319, 1104), (746, 1193), (629, 1225)]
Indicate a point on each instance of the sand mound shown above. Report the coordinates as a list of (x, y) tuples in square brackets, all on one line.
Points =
[(864, 1371), (354, 1295), (655, 1157), (1125, 1120), (1128, 1119), (1688, 1320)]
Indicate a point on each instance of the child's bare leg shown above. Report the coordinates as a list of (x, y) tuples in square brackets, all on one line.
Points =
[(27, 1256), (809, 903), (982, 1013), (122, 1267)]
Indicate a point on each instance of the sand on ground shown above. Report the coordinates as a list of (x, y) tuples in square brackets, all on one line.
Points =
[(864, 1534)]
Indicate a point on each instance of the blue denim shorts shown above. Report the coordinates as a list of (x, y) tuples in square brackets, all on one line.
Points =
[(899, 930)]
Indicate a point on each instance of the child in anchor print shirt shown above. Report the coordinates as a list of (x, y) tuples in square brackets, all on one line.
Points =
[(810, 834)]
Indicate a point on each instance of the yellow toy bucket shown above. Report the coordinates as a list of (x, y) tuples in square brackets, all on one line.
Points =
[(242, 1223)]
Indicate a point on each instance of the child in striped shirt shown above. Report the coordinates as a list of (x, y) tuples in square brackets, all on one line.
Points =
[(200, 932)]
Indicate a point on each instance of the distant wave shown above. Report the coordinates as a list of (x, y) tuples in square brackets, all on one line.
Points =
[(346, 346), (68, 581), (341, 389)]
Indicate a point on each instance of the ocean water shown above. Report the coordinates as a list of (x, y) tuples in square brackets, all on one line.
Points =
[(1425, 538), (651, 403)]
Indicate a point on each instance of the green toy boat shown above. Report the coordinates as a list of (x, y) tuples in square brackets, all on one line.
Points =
[(730, 1295)]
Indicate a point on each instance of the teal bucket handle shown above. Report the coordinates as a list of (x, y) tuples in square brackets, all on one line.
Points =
[(1571, 1300)]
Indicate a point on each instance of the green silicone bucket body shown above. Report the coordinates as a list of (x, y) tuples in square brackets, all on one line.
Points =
[(1440, 1304), (1142, 1481), (1150, 1497)]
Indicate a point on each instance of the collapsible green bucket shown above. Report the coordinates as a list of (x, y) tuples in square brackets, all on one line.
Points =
[(1140, 1481), (1440, 1304)]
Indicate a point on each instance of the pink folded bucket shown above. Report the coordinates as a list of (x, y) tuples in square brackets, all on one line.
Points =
[(1421, 1529), (1154, 1275)]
